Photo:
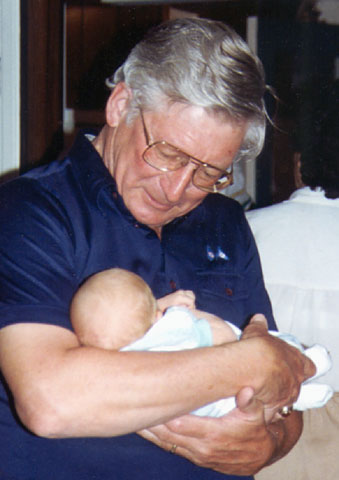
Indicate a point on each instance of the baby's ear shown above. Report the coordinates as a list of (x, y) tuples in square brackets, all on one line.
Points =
[(158, 315)]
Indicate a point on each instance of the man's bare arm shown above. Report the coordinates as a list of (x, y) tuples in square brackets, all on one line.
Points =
[(64, 390)]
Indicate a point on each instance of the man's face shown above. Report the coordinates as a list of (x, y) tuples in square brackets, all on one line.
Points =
[(155, 198)]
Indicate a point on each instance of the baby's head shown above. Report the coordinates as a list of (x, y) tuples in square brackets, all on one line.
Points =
[(112, 309)]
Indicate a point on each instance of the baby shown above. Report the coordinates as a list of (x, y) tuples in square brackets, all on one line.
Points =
[(115, 309)]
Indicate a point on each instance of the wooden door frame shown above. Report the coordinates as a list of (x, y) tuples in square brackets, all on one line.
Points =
[(41, 80)]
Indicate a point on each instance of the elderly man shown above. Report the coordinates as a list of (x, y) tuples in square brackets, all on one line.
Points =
[(187, 102)]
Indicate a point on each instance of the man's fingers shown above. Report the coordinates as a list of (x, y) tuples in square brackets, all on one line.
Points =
[(172, 441), (191, 425), (259, 319), (256, 327), (309, 368), (244, 398), (249, 405)]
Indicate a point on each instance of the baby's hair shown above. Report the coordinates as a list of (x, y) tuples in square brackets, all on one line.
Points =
[(117, 289), (141, 296)]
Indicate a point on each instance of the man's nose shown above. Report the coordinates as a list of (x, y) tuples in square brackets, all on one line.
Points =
[(175, 183)]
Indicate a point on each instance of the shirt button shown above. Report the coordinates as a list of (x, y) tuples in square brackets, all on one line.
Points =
[(229, 292), (136, 225), (173, 285)]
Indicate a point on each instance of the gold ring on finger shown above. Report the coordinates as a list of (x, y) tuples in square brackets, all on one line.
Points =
[(285, 411), (173, 448)]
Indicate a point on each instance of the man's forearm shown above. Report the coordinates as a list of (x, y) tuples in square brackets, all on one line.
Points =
[(285, 433), (64, 390)]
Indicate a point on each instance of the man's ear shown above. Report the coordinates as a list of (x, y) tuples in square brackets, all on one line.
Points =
[(117, 104)]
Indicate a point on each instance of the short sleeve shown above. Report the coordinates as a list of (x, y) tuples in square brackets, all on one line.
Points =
[(37, 277)]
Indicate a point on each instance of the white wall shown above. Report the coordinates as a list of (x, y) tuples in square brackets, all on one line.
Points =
[(329, 11), (9, 86), (250, 166)]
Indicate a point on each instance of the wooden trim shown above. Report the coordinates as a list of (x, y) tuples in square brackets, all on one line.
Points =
[(42, 53)]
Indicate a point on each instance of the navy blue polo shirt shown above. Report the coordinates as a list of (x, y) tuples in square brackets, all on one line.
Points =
[(63, 222)]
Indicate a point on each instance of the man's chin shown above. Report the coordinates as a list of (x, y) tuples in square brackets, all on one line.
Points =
[(152, 220)]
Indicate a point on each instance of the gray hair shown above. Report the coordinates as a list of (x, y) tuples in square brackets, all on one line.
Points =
[(199, 62)]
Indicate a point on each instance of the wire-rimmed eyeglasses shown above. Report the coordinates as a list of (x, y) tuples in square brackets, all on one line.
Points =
[(167, 158)]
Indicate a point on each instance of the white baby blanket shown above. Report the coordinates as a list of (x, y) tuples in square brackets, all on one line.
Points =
[(179, 329)]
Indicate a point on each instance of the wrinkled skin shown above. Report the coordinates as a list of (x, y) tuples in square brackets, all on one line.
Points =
[(240, 443)]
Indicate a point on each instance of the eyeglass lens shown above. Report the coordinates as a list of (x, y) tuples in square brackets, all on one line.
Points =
[(166, 158)]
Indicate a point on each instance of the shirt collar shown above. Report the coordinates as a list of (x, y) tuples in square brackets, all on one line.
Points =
[(91, 171), (316, 196)]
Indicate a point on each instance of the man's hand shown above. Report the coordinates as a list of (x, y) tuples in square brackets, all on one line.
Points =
[(280, 368), (242, 442), (238, 443)]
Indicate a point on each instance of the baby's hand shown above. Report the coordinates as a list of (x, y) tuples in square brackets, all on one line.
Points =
[(221, 331), (182, 298)]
